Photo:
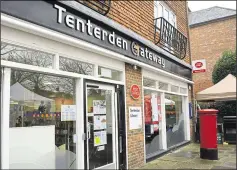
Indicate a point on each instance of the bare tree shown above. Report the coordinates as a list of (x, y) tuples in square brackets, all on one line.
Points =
[(38, 82)]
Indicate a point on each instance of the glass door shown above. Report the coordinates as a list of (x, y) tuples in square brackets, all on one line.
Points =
[(101, 127)]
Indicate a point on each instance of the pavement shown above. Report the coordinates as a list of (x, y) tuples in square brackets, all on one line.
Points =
[(188, 157)]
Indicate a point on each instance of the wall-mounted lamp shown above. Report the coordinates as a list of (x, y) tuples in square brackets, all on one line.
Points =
[(189, 87), (134, 67)]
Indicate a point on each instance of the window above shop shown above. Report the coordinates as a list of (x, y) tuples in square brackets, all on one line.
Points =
[(149, 83), (183, 90), (75, 66), (108, 73), (174, 89), (164, 86), (25, 55)]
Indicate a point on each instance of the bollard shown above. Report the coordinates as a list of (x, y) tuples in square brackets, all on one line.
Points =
[(208, 134)]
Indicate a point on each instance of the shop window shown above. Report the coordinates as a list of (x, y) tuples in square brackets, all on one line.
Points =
[(75, 66), (24, 55), (41, 135), (174, 89), (183, 90), (163, 86), (149, 83), (152, 113), (174, 119), (109, 73)]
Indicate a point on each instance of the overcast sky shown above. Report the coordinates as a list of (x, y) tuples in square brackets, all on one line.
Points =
[(199, 5)]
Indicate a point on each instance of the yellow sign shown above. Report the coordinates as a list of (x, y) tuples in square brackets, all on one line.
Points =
[(97, 140)]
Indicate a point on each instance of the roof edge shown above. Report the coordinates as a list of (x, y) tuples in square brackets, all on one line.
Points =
[(212, 21)]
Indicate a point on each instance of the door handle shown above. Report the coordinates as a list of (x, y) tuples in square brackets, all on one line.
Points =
[(88, 131)]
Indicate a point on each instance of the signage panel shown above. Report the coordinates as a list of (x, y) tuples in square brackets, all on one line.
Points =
[(61, 18), (199, 66)]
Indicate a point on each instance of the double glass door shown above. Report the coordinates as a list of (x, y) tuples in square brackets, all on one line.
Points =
[(101, 123)]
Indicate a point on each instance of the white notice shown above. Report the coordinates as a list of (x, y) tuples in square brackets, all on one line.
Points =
[(99, 122), (99, 107), (135, 118), (68, 112)]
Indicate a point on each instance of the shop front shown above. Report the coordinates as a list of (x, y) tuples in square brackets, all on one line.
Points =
[(66, 91)]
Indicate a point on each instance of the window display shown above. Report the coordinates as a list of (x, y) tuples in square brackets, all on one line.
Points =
[(152, 112), (36, 106), (174, 119)]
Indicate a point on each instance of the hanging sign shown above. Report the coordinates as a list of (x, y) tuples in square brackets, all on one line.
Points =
[(135, 91), (199, 66)]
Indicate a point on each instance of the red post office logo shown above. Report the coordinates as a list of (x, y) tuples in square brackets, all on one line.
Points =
[(135, 91), (198, 64)]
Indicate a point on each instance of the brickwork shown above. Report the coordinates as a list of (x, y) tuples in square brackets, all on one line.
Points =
[(138, 16), (135, 138), (208, 42)]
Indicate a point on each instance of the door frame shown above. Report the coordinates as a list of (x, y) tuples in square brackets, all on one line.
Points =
[(120, 127)]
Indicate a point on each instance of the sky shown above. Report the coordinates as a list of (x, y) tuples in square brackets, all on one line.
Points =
[(199, 5)]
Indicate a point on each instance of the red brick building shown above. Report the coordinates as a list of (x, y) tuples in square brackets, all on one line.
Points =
[(102, 84), (212, 31)]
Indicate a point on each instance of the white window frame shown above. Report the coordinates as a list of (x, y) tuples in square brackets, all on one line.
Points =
[(165, 7), (185, 103), (46, 46)]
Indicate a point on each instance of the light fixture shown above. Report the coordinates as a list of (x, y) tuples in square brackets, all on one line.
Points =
[(134, 67)]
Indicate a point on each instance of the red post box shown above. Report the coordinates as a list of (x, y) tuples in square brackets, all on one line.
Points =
[(208, 134)]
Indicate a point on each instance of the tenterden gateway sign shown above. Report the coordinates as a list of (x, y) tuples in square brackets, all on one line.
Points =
[(57, 16), (101, 34)]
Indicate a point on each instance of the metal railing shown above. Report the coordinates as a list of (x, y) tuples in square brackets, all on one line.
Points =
[(169, 38), (100, 6)]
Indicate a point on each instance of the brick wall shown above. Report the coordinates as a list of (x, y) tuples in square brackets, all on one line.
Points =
[(135, 138), (208, 42), (138, 16)]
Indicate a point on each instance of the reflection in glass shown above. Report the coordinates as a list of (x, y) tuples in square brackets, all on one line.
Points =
[(163, 86), (152, 109), (174, 89), (100, 127), (149, 82), (25, 55), (38, 137), (75, 66), (174, 119)]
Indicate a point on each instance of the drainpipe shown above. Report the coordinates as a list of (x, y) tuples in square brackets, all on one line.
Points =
[(192, 93)]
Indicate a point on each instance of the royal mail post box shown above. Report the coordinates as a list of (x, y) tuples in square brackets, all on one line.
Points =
[(208, 134)]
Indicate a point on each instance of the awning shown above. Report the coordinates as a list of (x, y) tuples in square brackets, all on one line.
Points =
[(222, 91)]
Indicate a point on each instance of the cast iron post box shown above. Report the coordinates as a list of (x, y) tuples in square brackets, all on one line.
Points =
[(208, 134)]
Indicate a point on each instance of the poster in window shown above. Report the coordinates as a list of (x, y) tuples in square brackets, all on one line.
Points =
[(99, 122), (100, 138), (99, 106), (154, 108), (147, 109)]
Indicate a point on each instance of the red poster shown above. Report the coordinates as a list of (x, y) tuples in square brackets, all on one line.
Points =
[(147, 108)]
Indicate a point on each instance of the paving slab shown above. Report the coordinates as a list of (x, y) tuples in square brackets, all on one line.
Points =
[(188, 157)]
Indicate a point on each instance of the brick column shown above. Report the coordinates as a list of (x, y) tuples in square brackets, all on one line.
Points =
[(135, 138)]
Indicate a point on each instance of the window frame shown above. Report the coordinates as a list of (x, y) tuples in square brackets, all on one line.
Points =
[(165, 7)]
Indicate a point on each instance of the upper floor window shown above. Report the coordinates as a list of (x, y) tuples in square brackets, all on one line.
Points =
[(162, 10)]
